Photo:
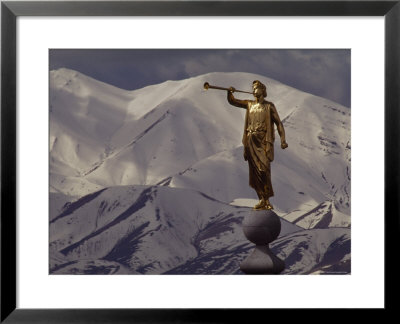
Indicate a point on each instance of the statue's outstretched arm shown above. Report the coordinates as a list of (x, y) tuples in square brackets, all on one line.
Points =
[(279, 125), (236, 102)]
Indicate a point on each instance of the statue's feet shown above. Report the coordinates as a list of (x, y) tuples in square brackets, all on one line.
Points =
[(260, 205), (268, 205)]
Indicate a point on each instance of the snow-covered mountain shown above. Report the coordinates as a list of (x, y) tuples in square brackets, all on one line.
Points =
[(148, 181), (316, 251), (178, 134), (151, 229), (156, 229)]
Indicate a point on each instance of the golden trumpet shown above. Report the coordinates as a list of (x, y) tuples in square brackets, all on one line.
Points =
[(208, 86)]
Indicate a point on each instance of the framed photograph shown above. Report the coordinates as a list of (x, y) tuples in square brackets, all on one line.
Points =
[(126, 195)]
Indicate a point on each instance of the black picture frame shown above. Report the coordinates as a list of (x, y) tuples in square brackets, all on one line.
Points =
[(10, 10)]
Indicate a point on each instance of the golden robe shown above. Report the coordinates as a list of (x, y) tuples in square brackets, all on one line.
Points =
[(258, 142)]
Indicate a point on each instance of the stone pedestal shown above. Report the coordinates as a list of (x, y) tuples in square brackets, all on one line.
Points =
[(261, 227)]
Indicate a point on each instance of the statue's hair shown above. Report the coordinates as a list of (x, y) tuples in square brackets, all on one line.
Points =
[(264, 88)]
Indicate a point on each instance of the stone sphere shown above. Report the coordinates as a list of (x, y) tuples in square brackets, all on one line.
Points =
[(261, 226)]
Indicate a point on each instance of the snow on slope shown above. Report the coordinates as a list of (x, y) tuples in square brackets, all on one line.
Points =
[(316, 251), (58, 202), (300, 203), (147, 134), (84, 115), (153, 229), (145, 229), (177, 134), (60, 265)]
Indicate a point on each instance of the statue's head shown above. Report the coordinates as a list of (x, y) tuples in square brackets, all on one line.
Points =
[(259, 87)]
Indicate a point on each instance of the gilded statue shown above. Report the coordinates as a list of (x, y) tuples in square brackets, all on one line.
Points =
[(258, 140)]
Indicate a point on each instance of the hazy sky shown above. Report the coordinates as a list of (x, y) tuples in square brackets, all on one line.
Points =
[(325, 73)]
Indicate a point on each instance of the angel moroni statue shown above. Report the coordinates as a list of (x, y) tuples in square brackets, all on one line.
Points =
[(258, 140), (261, 226)]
